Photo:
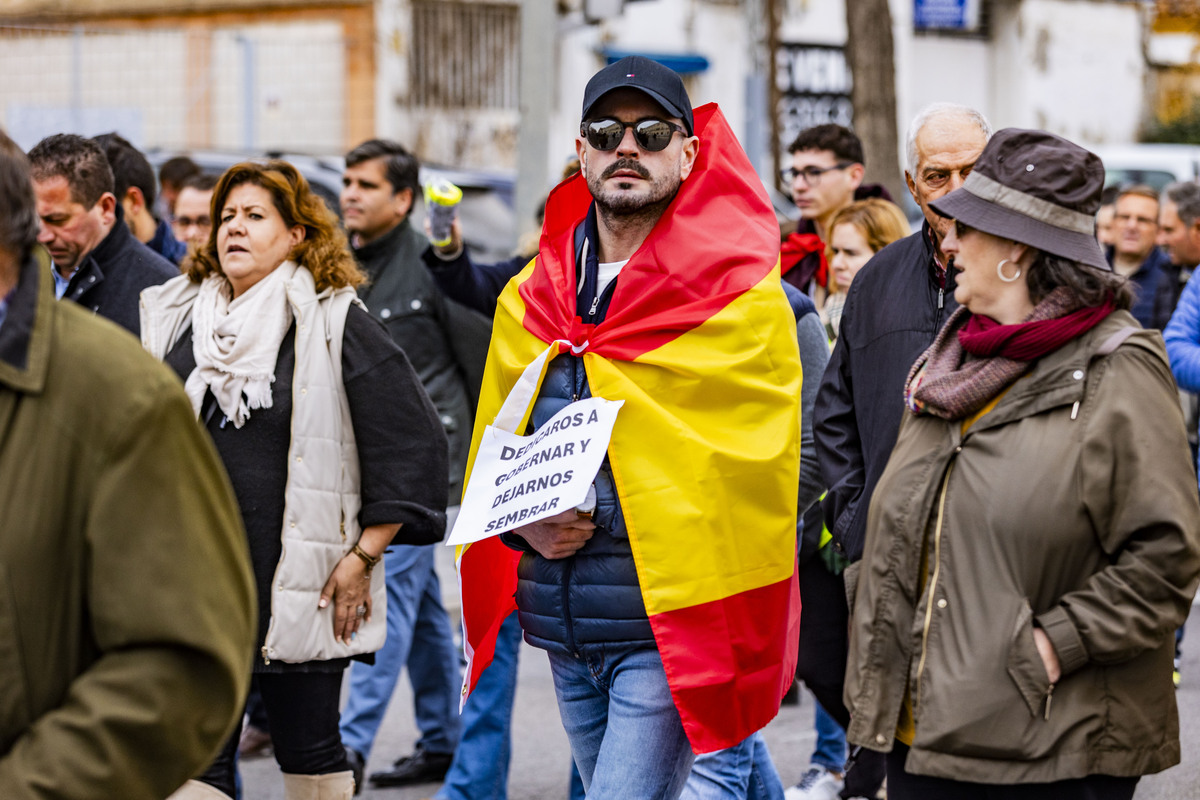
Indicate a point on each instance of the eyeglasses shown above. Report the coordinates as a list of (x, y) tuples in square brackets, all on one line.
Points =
[(811, 175), (651, 134)]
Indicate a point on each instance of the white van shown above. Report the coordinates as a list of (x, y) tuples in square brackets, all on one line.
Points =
[(1155, 165)]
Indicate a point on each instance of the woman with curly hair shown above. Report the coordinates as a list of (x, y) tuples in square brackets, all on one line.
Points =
[(331, 444)]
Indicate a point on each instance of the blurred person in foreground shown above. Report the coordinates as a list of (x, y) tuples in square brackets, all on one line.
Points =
[(193, 220), (127, 597), (1035, 538), (333, 448), (97, 261), (136, 189), (639, 293)]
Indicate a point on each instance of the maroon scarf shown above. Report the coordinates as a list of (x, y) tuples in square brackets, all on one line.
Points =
[(1026, 341), (946, 383)]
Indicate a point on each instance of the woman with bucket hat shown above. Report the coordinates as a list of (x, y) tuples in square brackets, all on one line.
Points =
[(1035, 538)]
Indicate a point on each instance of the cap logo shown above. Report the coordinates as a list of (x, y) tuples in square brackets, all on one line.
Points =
[(629, 75)]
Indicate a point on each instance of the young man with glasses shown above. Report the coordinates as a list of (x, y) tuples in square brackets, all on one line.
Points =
[(825, 176), (668, 609)]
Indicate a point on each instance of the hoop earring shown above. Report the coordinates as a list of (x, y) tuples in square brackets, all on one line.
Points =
[(1000, 272)]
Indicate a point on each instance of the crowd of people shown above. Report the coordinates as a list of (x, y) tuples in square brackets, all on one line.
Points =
[(946, 479)]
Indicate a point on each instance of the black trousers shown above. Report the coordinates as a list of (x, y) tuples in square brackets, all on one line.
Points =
[(904, 786), (824, 648), (303, 712)]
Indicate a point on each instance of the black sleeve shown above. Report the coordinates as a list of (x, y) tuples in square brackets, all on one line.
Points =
[(839, 448), (476, 286), (402, 449)]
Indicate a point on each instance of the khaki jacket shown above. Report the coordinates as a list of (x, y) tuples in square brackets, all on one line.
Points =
[(126, 604), (1071, 505)]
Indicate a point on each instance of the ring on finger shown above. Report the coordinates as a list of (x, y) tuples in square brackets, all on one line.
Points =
[(361, 611)]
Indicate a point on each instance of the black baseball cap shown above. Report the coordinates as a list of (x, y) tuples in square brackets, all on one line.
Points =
[(662, 84)]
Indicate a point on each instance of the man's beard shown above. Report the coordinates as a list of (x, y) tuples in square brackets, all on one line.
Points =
[(625, 204)]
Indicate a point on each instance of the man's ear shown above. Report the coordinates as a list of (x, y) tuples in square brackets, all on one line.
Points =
[(687, 160), (108, 208), (580, 150), (134, 199), (912, 186), (403, 201), (856, 173)]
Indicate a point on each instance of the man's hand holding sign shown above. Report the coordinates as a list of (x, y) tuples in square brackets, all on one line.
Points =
[(531, 485), (558, 536)]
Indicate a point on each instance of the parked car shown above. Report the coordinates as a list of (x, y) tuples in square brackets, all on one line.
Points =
[(1154, 165), (488, 217)]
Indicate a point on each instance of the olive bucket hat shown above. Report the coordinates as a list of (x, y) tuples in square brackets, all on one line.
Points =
[(1037, 189)]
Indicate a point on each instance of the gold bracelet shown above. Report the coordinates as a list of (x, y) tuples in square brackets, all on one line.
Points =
[(367, 558)]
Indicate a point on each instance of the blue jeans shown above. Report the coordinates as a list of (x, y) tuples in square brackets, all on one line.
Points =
[(744, 771), (418, 633), (831, 741), (480, 765), (626, 736)]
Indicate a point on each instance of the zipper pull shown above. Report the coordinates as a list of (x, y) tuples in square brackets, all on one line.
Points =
[(595, 305), (1075, 410), (1049, 697), (941, 297)]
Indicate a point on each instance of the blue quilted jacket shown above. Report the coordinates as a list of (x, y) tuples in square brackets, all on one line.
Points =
[(591, 598)]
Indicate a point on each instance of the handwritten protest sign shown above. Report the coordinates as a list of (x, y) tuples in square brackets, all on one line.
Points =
[(521, 479)]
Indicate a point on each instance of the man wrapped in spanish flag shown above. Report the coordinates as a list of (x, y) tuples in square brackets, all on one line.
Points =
[(670, 611)]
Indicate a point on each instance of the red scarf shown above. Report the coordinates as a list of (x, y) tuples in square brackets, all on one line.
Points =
[(1028, 341), (797, 247)]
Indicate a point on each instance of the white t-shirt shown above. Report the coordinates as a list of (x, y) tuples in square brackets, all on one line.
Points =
[(606, 273)]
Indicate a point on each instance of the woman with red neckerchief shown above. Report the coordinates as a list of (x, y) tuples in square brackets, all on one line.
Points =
[(1035, 538)]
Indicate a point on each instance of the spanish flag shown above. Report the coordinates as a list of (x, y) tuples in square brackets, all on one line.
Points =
[(700, 343)]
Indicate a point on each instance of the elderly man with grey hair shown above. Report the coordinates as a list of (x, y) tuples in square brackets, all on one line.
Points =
[(893, 311)]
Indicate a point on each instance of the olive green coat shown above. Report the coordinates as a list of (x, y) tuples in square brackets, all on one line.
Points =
[(126, 604), (1073, 504)]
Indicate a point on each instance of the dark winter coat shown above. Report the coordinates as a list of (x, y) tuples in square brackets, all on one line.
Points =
[(446, 343), (110, 279), (894, 309)]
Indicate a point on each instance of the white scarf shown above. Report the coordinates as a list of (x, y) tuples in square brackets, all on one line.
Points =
[(236, 342)]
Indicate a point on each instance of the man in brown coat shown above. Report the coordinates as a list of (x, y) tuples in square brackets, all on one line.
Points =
[(126, 607)]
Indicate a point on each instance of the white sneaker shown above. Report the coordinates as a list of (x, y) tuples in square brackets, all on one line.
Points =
[(816, 784)]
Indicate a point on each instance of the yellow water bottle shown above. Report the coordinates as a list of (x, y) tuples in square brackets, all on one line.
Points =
[(441, 204)]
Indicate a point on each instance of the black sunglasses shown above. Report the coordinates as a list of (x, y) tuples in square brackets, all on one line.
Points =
[(651, 134)]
